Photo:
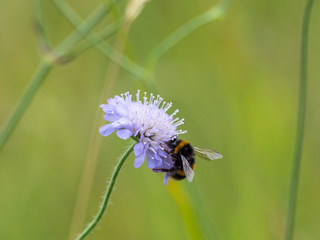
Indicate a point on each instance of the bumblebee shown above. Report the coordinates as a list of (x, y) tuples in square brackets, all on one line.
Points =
[(183, 156)]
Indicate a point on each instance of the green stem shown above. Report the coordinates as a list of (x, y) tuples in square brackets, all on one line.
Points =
[(106, 49), (185, 30), (105, 201), (84, 28), (38, 11), (300, 122), (103, 35), (43, 70), (46, 65), (201, 212), (40, 23)]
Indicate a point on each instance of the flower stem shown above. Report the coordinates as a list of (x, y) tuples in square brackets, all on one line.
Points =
[(43, 70), (106, 198), (300, 122)]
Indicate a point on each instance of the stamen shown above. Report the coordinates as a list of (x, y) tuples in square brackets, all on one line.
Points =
[(136, 133), (179, 123), (174, 113), (151, 99), (145, 98), (163, 104), (159, 99), (128, 97), (176, 119), (180, 132), (138, 96), (167, 106), (152, 149)]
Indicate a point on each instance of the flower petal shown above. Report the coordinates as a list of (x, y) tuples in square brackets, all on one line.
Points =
[(103, 106), (110, 117), (138, 148), (166, 163), (122, 109), (107, 129), (165, 178), (124, 133), (152, 161), (139, 160)]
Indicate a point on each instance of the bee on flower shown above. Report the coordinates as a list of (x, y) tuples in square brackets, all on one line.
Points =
[(147, 121)]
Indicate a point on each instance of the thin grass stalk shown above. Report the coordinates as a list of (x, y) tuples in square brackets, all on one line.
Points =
[(39, 16), (292, 205), (199, 208), (49, 59), (37, 79), (85, 28), (184, 205), (103, 35), (215, 13), (131, 67)]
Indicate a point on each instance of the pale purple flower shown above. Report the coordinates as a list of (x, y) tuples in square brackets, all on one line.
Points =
[(147, 121)]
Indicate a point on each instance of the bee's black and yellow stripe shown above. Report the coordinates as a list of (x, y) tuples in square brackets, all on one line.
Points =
[(182, 147)]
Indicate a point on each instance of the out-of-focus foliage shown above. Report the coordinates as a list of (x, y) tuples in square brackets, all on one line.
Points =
[(234, 81)]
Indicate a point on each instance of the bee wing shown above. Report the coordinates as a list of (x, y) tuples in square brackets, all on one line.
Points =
[(187, 169), (207, 154)]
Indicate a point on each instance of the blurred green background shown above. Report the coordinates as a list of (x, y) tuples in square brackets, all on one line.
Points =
[(235, 82)]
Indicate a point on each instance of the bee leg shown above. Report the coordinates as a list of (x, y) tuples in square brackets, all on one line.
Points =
[(161, 170)]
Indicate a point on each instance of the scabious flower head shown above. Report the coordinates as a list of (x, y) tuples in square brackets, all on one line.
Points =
[(147, 121)]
